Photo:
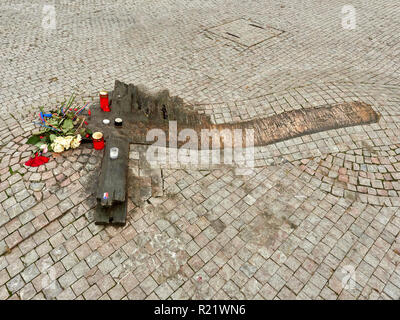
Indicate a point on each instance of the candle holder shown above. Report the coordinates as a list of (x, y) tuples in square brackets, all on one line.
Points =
[(98, 140), (104, 103), (114, 153), (118, 122)]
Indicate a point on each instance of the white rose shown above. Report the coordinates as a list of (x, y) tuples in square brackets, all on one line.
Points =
[(59, 140), (64, 141), (67, 142), (57, 148), (75, 143)]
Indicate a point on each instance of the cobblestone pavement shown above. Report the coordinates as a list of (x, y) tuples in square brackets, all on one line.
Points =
[(319, 216)]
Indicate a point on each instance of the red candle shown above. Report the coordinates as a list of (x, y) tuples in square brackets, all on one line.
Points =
[(104, 101), (98, 140)]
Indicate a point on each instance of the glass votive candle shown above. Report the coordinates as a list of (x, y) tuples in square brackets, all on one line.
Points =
[(104, 103), (98, 140), (114, 153)]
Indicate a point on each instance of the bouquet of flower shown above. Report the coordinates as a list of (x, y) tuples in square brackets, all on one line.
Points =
[(61, 129)]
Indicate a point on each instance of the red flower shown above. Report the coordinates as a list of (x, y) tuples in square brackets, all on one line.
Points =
[(86, 122), (41, 137), (87, 135), (36, 161)]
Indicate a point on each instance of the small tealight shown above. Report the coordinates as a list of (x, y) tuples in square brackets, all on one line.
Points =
[(106, 121), (118, 122), (114, 153)]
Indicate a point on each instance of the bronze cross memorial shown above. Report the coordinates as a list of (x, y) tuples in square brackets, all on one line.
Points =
[(141, 111)]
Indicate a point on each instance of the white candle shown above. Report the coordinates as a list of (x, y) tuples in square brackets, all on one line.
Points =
[(114, 153)]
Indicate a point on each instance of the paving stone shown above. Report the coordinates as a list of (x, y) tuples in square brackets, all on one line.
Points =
[(53, 290), (148, 285), (94, 259), (65, 205), (36, 186), (15, 284), (80, 286), (29, 273), (4, 277), (93, 293), (27, 292), (392, 291)]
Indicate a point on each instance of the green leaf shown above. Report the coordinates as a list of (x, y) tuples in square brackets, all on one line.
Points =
[(68, 125), (46, 140), (33, 140), (52, 121), (52, 137)]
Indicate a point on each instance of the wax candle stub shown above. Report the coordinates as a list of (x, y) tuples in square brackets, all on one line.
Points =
[(114, 153)]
